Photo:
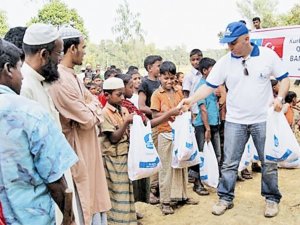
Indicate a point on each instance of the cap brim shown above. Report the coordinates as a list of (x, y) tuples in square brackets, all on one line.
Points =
[(227, 39)]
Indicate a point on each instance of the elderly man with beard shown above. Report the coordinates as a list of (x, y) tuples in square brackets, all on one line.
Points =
[(80, 113), (43, 49)]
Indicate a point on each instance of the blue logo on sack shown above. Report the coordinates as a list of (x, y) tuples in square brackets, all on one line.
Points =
[(276, 141), (189, 145), (148, 141), (287, 153), (149, 164), (201, 164), (193, 156)]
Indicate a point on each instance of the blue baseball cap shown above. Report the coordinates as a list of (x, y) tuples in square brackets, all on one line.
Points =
[(233, 31)]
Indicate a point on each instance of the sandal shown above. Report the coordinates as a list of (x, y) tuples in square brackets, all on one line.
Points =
[(246, 174), (153, 199), (166, 209), (190, 201)]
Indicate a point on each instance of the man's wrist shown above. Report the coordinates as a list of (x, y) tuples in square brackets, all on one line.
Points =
[(280, 99)]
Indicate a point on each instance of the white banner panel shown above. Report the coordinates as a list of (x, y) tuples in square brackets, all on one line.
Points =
[(285, 41)]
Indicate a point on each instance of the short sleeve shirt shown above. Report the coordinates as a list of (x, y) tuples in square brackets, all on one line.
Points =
[(161, 101), (211, 105), (113, 120), (33, 153), (148, 87), (248, 97)]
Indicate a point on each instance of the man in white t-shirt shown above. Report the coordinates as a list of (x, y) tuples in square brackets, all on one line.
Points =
[(246, 71)]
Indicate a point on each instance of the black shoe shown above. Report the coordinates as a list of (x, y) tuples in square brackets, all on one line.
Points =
[(200, 190), (246, 174), (256, 168)]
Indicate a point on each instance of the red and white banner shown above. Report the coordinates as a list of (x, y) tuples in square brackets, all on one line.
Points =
[(285, 41)]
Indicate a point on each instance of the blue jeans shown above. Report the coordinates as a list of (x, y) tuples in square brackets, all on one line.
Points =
[(236, 137)]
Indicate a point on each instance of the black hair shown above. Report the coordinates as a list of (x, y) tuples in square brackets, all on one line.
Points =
[(206, 63), (243, 21), (150, 60), (289, 97), (132, 72), (113, 67), (108, 73), (178, 74), (196, 51), (256, 18), (15, 35), (108, 91), (274, 82), (96, 76), (125, 77), (167, 66), (132, 68), (33, 49), (9, 53), (69, 42)]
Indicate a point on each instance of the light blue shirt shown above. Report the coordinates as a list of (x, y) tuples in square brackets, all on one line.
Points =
[(33, 153), (211, 105)]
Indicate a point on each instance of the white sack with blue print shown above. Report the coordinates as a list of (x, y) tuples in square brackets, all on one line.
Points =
[(281, 144), (250, 155), (143, 159), (183, 133), (209, 169)]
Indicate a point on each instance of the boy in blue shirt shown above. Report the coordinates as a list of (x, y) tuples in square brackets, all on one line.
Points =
[(206, 122)]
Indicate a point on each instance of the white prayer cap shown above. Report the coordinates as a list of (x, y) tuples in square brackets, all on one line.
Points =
[(39, 33), (67, 32), (113, 83)]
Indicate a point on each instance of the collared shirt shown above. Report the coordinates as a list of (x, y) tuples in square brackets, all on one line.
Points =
[(33, 153), (249, 96), (161, 101), (113, 120), (34, 88), (212, 108), (190, 80)]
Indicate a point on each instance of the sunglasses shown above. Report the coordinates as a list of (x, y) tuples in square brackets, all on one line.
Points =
[(246, 72)]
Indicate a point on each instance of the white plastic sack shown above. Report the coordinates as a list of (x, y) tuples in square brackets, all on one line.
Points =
[(193, 160), (250, 155), (291, 164), (281, 144), (143, 159), (183, 136), (209, 169)]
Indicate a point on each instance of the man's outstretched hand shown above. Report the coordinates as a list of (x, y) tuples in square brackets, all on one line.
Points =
[(185, 104)]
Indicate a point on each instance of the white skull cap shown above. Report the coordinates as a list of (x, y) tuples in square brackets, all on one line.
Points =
[(39, 34), (67, 32)]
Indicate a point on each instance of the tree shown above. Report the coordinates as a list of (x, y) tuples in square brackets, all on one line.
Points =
[(293, 17), (127, 27), (57, 13), (3, 23), (265, 9)]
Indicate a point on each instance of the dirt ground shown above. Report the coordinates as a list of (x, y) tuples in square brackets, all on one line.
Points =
[(248, 208)]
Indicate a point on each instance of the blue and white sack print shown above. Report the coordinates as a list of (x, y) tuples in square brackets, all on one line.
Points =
[(209, 169), (143, 159), (183, 136), (281, 144)]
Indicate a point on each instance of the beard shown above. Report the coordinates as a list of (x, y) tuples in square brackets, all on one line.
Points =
[(49, 72)]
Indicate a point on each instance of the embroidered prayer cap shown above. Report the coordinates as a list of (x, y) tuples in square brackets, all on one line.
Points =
[(67, 32), (234, 31), (39, 34), (113, 83)]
